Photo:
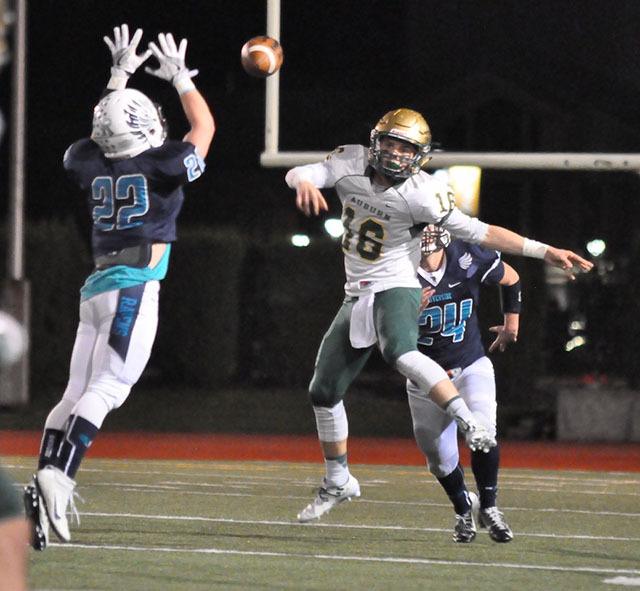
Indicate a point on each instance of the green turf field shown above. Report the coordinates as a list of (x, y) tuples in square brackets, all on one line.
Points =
[(231, 525)]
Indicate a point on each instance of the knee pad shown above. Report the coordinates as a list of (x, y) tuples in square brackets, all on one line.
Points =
[(331, 423), (59, 414), (100, 399), (442, 453), (421, 370)]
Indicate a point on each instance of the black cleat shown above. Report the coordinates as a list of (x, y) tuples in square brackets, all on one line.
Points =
[(493, 520), (37, 517)]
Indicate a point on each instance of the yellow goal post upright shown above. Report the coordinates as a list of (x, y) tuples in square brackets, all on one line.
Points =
[(273, 157)]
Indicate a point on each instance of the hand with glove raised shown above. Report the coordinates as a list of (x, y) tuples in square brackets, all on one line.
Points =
[(123, 53), (172, 63)]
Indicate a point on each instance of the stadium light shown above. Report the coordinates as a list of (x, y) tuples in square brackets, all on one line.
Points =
[(334, 227), (465, 182), (596, 247), (300, 240), (574, 343)]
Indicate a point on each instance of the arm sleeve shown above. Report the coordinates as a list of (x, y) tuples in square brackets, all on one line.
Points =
[(317, 174), (464, 226), (342, 161)]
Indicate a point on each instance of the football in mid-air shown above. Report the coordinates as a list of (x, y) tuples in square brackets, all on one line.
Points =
[(261, 56)]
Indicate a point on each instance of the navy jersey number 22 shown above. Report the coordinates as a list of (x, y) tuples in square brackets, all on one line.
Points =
[(119, 207)]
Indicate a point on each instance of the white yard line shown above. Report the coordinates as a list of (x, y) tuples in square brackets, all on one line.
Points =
[(336, 525), (153, 488), (385, 559)]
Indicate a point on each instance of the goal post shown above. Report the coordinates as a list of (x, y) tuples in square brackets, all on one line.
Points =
[(272, 157), (486, 160)]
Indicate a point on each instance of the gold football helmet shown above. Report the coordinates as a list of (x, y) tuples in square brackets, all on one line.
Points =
[(405, 125)]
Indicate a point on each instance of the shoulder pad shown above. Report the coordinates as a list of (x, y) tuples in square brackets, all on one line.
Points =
[(79, 151)]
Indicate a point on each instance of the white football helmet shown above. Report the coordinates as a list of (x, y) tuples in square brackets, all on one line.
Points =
[(126, 123), (434, 238)]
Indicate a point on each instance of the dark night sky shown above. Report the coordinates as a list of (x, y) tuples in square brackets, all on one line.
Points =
[(345, 64), (492, 75)]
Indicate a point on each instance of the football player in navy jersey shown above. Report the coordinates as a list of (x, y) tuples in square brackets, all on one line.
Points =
[(451, 274), (132, 177)]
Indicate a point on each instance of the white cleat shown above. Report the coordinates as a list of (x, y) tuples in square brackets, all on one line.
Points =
[(327, 498), (56, 490)]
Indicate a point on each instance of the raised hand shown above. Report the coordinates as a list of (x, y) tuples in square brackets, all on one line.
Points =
[(172, 66), (123, 51)]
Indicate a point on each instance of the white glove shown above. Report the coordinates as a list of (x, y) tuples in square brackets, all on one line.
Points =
[(172, 63), (123, 53), (477, 437)]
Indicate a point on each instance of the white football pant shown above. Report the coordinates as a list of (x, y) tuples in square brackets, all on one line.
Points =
[(112, 347), (436, 431)]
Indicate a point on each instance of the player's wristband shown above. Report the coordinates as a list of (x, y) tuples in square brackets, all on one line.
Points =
[(534, 249), (183, 84), (118, 80), (511, 298)]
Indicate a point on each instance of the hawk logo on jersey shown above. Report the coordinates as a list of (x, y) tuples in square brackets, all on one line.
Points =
[(465, 261)]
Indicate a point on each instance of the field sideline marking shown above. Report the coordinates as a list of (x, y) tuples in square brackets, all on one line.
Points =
[(336, 525), (387, 559)]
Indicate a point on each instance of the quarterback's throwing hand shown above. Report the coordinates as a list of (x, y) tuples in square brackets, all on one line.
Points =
[(309, 199), (123, 51)]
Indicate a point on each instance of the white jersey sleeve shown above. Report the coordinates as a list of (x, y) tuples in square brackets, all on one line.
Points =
[(465, 227), (429, 200), (433, 202), (343, 161)]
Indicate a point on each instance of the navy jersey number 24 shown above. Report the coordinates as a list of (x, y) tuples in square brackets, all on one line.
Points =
[(447, 321), (119, 207)]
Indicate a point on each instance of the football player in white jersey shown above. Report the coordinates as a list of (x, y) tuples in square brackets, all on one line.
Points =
[(386, 201), (451, 274), (132, 177)]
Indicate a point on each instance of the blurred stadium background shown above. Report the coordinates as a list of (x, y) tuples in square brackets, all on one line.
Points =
[(243, 309)]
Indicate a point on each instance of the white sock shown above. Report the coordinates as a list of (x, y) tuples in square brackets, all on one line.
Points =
[(458, 410), (337, 471)]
